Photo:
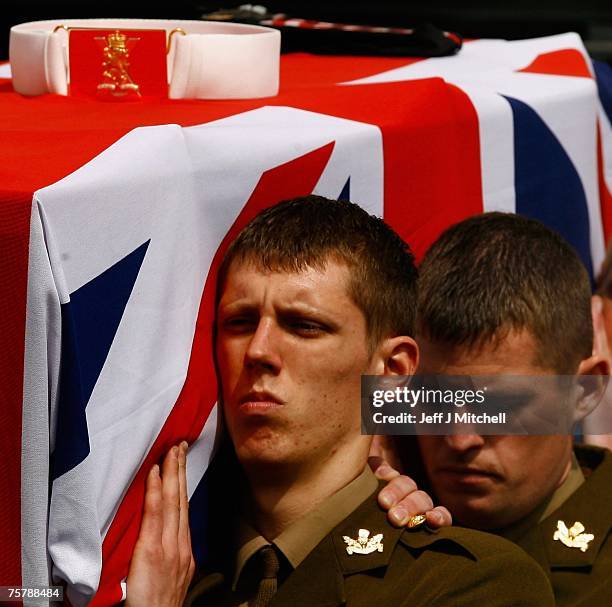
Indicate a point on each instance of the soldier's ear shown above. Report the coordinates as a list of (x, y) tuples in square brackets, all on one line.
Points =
[(401, 355), (593, 377)]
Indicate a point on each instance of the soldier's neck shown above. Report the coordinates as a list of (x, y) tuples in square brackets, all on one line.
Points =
[(280, 495)]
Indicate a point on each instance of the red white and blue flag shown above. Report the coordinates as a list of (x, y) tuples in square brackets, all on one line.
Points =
[(114, 236)]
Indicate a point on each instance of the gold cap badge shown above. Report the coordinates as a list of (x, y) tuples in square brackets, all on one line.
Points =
[(364, 544), (574, 537)]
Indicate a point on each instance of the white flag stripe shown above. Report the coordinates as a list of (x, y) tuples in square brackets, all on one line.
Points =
[(41, 352), (202, 450), (479, 56), (496, 135)]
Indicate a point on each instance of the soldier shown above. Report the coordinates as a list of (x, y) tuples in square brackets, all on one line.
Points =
[(311, 295), (502, 294)]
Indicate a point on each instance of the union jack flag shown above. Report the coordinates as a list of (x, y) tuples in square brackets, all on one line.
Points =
[(119, 233)]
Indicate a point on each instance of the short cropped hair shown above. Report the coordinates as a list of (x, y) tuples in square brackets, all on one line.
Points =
[(310, 231), (498, 272)]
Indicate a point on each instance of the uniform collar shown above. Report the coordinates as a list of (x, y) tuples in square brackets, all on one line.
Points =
[(324, 569), (298, 540), (517, 531), (568, 487), (369, 516), (590, 504)]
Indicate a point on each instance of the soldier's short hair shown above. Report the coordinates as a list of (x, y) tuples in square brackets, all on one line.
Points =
[(310, 231), (497, 272)]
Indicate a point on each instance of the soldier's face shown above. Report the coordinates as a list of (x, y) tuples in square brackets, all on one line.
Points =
[(290, 350), (489, 482)]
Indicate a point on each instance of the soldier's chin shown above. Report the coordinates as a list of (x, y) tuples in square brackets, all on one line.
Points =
[(480, 513), (264, 450)]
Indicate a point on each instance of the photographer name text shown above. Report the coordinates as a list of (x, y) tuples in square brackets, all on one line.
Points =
[(455, 417)]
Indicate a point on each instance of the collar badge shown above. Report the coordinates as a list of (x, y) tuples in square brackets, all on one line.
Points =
[(364, 544), (574, 537)]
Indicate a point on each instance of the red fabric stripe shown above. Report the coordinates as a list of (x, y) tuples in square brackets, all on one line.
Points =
[(568, 62), (442, 183), (14, 237), (295, 178)]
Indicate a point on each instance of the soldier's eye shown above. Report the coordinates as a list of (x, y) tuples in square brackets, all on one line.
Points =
[(305, 327), (238, 324)]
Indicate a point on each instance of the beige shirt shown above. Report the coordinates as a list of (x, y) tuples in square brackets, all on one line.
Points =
[(298, 540)]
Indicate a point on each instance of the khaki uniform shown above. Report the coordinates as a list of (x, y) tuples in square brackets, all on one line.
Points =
[(417, 568), (579, 578)]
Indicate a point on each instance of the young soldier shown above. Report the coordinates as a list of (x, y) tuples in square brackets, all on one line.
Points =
[(313, 294), (502, 294)]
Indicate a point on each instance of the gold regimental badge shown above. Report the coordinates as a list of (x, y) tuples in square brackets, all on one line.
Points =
[(364, 544), (574, 537), (415, 521), (115, 76)]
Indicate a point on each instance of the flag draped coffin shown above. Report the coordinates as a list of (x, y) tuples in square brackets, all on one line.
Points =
[(125, 238)]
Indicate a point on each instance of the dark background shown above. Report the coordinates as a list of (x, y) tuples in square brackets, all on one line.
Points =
[(592, 19)]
